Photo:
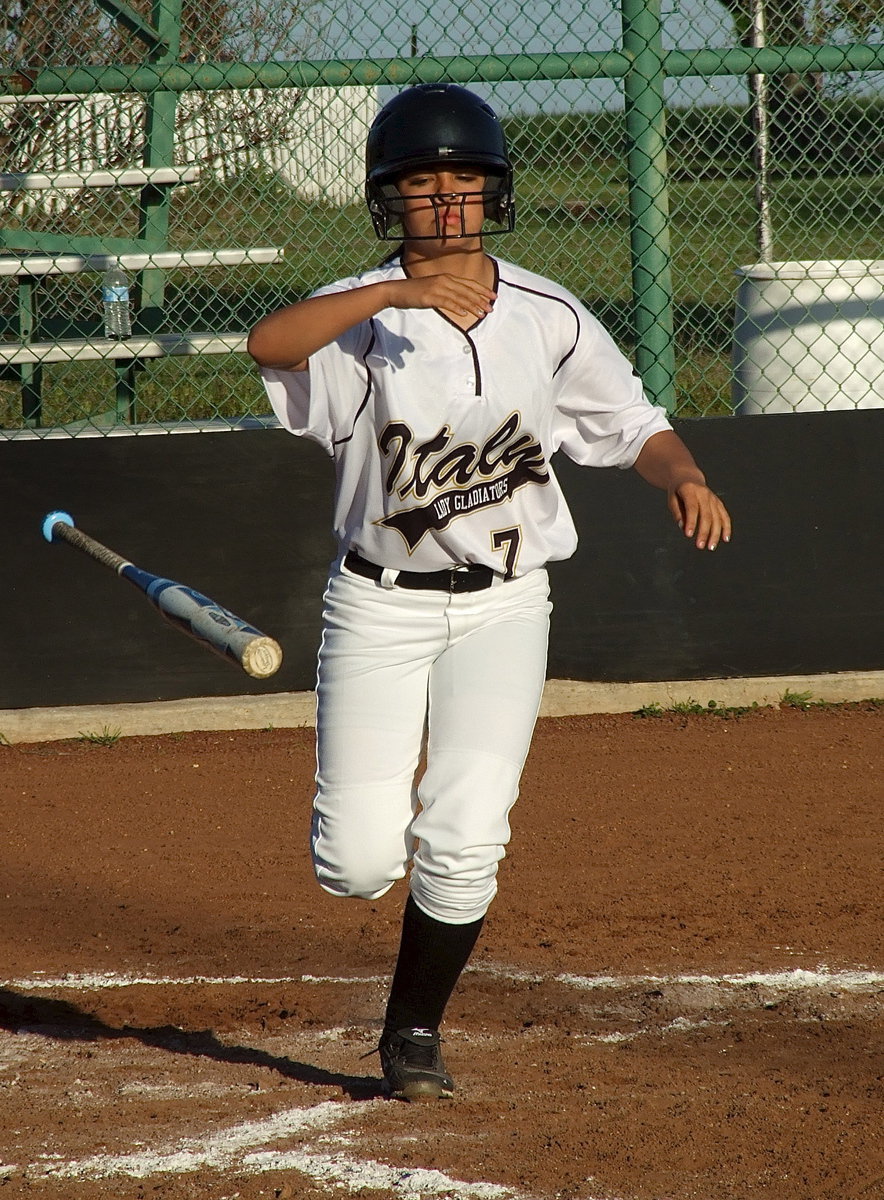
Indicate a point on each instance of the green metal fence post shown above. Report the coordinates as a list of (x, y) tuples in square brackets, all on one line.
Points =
[(30, 374), (649, 199), (159, 151)]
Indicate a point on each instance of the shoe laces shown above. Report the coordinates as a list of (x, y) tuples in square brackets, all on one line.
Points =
[(418, 1054), (401, 1046)]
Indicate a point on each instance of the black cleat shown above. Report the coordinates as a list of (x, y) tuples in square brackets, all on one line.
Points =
[(412, 1064)]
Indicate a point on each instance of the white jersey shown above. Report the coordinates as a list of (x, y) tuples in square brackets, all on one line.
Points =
[(442, 438)]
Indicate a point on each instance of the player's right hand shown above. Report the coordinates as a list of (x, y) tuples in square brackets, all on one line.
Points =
[(453, 293)]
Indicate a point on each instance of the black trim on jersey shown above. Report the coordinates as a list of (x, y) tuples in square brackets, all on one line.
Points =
[(466, 332), (368, 388), (548, 296), (470, 343), (477, 365)]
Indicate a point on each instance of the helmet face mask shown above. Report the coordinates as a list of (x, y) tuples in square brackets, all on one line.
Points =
[(388, 207), (441, 127)]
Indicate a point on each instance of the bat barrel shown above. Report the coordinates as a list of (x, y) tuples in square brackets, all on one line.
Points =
[(204, 619)]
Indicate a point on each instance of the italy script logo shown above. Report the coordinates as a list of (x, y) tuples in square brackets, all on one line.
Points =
[(454, 480)]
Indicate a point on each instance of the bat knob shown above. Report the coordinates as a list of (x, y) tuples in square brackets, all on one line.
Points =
[(54, 518)]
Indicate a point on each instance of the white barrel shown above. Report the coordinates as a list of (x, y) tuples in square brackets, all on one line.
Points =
[(809, 336)]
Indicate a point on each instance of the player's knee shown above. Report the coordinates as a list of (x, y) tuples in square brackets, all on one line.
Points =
[(349, 865), (351, 889), (359, 880)]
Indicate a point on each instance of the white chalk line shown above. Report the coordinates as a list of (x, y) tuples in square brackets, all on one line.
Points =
[(242, 1149), (798, 979), (795, 980), (100, 980), (677, 1025)]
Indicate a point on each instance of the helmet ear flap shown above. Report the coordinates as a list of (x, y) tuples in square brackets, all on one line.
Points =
[(377, 210), (499, 206), (492, 205), (385, 208)]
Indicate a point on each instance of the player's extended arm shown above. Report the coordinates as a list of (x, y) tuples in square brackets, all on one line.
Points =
[(666, 462), (286, 339)]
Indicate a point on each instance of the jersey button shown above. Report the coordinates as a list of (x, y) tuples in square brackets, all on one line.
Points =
[(467, 350)]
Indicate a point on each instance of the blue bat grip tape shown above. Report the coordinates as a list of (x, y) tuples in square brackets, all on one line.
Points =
[(52, 519)]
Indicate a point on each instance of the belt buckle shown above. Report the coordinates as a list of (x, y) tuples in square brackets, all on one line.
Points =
[(453, 588), (463, 579)]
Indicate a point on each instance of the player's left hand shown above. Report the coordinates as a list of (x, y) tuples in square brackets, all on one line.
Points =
[(700, 514)]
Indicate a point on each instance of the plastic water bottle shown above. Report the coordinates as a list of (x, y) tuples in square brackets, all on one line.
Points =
[(117, 308)]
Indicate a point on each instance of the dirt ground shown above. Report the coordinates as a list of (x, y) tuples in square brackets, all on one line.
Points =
[(677, 995)]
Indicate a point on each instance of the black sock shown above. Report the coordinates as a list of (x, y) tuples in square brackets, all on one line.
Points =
[(432, 955)]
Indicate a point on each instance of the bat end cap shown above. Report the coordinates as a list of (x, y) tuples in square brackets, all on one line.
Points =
[(54, 518), (262, 657)]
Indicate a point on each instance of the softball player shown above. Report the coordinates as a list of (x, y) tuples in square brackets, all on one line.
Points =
[(442, 382)]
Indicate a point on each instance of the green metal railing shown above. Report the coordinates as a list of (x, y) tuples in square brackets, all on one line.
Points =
[(465, 69), (635, 193)]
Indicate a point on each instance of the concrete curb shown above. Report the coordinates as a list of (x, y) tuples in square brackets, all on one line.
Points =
[(291, 710)]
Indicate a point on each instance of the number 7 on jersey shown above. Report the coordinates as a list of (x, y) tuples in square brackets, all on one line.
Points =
[(508, 540)]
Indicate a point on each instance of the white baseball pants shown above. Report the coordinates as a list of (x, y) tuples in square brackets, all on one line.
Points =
[(469, 669)]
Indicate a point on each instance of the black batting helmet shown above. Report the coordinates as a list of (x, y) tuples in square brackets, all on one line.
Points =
[(434, 123)]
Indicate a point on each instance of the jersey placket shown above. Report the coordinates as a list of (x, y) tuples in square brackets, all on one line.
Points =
[(466, 368), (472, 377)]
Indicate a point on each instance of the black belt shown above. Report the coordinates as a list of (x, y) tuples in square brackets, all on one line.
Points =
[(472, 578)]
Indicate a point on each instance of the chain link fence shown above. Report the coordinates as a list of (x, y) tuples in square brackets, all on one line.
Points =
[(707, 178)]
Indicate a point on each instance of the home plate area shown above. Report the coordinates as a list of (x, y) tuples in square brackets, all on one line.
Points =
[(670, 1067), (678, 994)]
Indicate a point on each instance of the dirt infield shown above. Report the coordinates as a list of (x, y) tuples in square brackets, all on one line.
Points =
[(677, 995)]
